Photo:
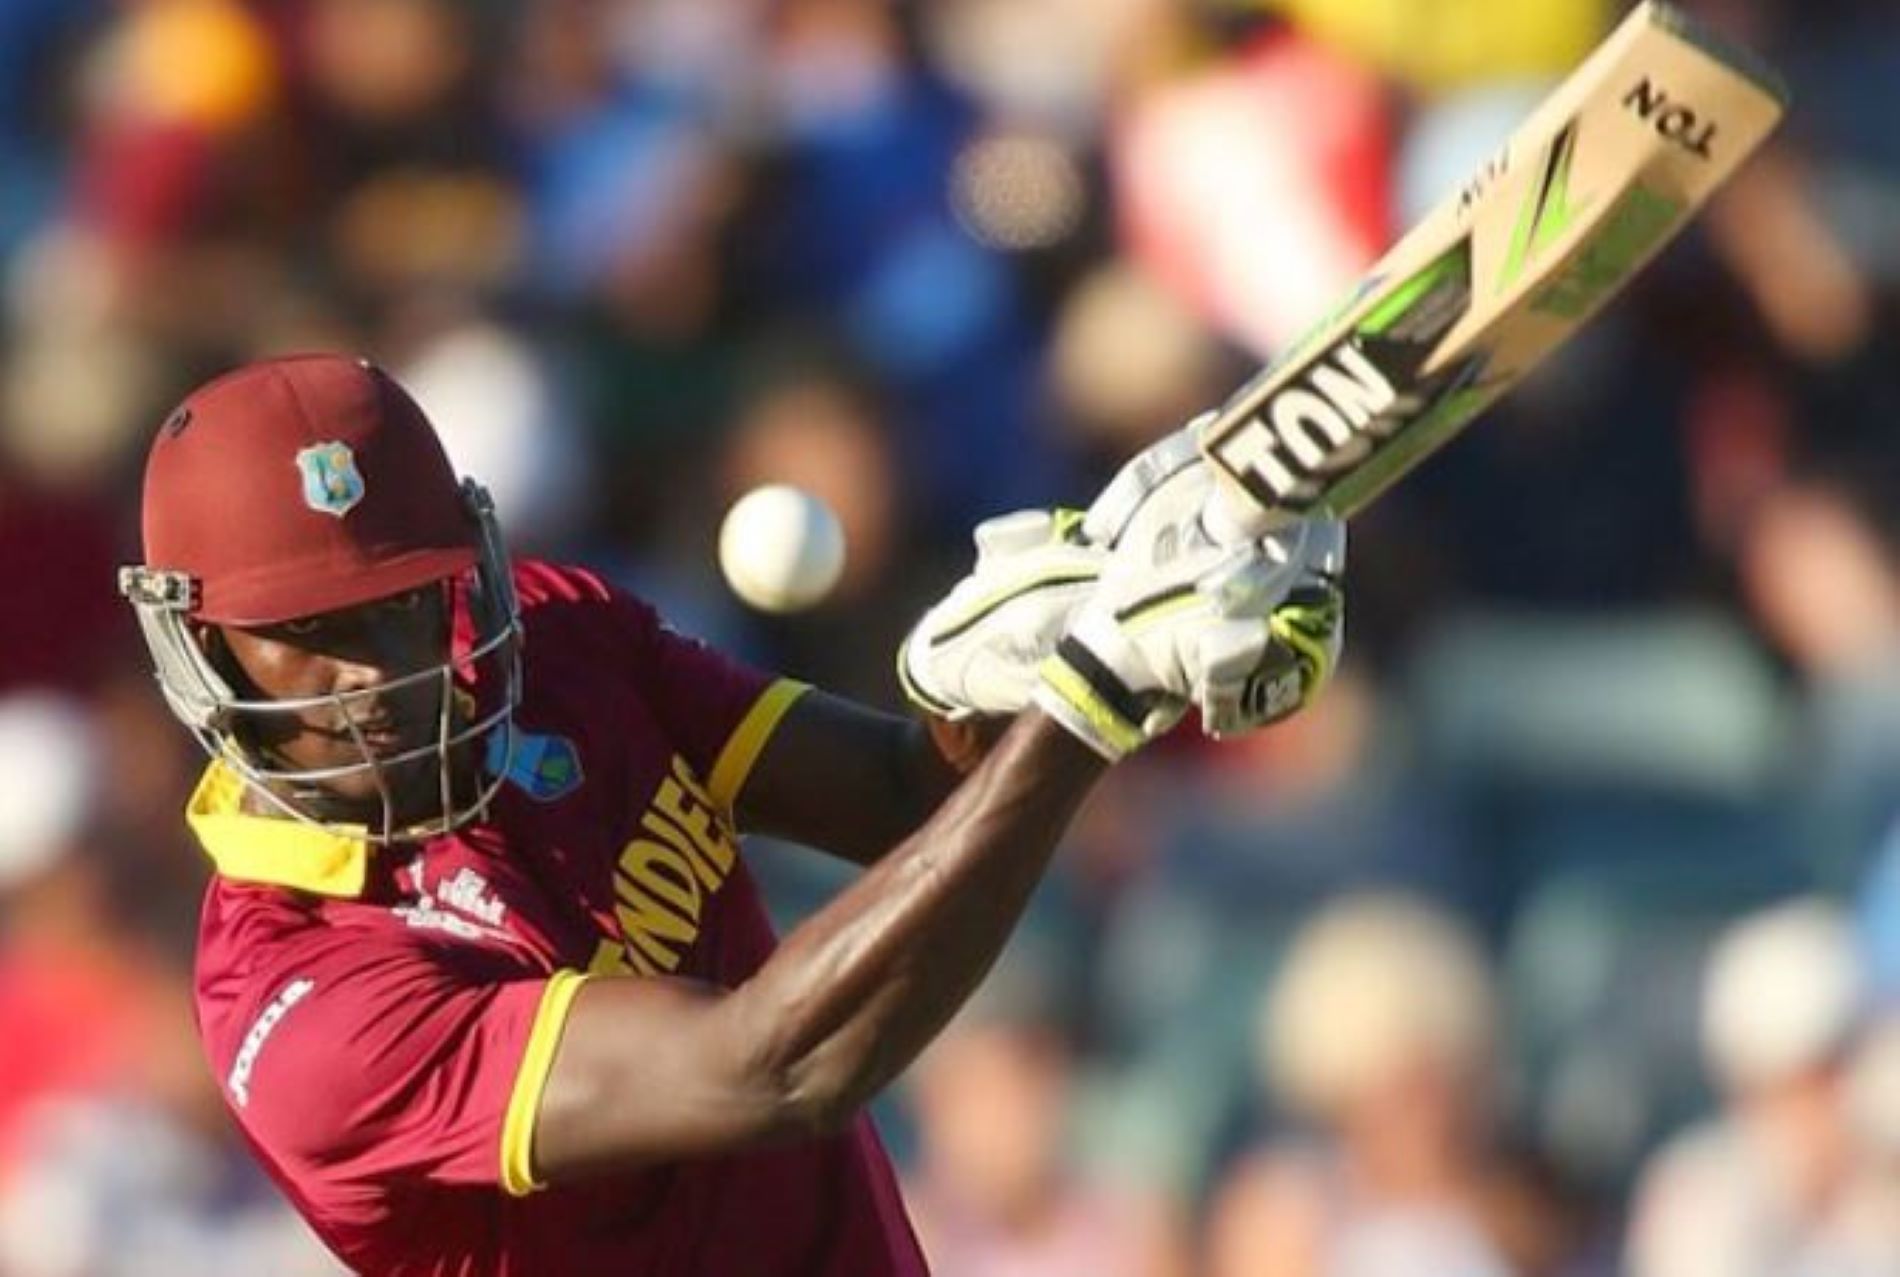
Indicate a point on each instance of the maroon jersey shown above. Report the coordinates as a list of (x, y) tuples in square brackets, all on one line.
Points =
[(383, 1021)]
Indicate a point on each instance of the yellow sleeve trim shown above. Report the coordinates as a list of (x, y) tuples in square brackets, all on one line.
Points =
[(524, 1102), (743, 746)]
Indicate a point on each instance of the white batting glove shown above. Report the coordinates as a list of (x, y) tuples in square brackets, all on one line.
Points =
[(1140, 650), (1157, 495), (1241, 690), (1155, 507), (976, 651)]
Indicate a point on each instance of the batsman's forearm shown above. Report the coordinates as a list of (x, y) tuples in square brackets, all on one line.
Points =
[(855, 993)]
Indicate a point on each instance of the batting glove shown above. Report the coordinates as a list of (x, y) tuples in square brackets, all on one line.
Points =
[(976, 651), (1241, 692), (1247, 634)]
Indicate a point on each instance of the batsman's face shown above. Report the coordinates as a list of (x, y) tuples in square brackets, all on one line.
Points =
[(349, 655)]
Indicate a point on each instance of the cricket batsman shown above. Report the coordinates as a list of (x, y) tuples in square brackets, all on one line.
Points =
[(481, 972)]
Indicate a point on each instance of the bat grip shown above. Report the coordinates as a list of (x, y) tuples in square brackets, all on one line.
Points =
[(1232, 519)]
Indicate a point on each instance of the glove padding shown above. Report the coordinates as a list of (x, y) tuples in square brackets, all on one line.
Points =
[(976, 651), (1177, 622), (1308, 632), (1158, 494)]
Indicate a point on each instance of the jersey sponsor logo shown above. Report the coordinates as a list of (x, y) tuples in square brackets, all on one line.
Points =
[(680, 858), (463, 905), (427, 915), (239, 1080), (331, 482), (468, 892)]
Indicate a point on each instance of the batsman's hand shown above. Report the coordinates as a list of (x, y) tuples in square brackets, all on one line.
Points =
[(1307, 634), (1248, 634), (976, 651), (1155, 508)]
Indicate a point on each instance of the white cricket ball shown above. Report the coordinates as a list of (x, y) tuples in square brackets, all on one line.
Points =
[(781, 548)]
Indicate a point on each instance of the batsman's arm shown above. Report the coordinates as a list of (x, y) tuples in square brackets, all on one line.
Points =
[(652, 1070), (853, 781)]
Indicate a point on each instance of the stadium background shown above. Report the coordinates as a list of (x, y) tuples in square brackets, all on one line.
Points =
[(1624, 668)]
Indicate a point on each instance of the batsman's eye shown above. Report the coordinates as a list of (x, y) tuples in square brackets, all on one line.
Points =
[(303, 626), (407, 601)]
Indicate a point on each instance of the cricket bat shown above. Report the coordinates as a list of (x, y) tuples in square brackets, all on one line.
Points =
[(1601, 176)]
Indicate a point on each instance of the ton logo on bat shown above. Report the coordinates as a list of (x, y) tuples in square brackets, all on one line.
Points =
[(1672, 119), (1324, 421)]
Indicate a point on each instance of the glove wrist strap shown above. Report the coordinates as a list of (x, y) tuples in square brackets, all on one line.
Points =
[(1083, 694)]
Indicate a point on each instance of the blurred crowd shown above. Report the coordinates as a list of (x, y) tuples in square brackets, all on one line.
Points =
[(1563, 937)]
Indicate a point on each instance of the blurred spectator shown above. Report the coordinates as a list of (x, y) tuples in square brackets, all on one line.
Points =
[(1878, 914), (388, 65), (75, 1009), (502, 418), (627, 178), (1870, 1207), (1201, 863), (1256, 188), (1762, 1189), (177, 85), (1049, 63), (1128, 363), (1433, 44), (1873, 1098), (831, 435), (1817, 563), (1771, 231), (1821, 584), (1381, 1030), (996, 1192), (827, 437), (856, 223), (65, 632), (38, 39)]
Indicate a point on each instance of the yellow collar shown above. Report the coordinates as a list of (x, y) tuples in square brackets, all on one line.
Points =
[(277, 852)]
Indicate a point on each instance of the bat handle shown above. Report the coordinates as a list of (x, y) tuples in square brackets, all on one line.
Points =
[(1232, 519)]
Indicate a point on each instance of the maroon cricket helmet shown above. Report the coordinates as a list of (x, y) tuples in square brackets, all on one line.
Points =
[(302, 485)]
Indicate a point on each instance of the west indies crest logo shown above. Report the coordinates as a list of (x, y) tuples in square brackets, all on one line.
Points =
[(331, 482)]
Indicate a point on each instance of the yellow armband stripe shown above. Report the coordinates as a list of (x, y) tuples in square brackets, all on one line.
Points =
[(748, 738), (524, 1102)]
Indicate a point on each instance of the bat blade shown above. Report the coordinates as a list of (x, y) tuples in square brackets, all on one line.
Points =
[(1606, 171)]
